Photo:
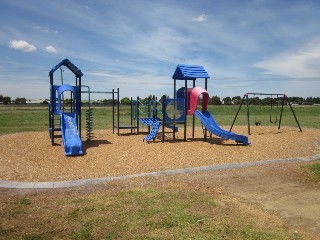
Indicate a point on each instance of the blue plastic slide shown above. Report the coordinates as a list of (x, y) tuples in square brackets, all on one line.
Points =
[(210, 124), (70, 137), (153, 132)]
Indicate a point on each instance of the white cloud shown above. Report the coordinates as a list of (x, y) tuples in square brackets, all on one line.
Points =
[(104, 74), (45, 30), (22, 45), (201, 18), (303, 63), (50, 49)]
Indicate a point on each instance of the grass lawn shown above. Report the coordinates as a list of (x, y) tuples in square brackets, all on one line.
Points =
[(18, 119), (167, 212), (315, 170)]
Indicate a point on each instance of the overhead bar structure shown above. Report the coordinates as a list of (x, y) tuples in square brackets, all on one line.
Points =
[(113, 92)]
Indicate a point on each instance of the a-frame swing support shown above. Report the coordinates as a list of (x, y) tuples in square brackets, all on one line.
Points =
[(245, 99)]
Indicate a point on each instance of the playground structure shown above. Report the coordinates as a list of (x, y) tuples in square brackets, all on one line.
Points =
[(69, 114), (175, 111), (172, 111), (280, 100), (143, 112)]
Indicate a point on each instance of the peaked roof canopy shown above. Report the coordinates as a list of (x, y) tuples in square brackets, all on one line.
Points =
[(69, 65), (189, 72)]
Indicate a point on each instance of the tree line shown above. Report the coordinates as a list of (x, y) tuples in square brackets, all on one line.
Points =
[(7, 100), (267, 100), (214, 100)]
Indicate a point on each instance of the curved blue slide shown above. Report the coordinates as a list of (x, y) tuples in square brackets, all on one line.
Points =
[(210, 124), (70, 137)]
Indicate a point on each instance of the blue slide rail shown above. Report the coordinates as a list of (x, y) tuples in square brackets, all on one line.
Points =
[(70, 137), (210, 124)]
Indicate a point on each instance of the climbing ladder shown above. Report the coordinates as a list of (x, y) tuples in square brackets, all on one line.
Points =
[(89, 124)]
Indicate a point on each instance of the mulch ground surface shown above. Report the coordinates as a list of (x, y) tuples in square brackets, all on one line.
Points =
[(30, 156)]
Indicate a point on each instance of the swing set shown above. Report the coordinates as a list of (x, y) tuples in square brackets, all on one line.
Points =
[(276, 101)]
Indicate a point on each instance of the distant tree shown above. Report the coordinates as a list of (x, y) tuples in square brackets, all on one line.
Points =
[(227, 101), (125, 101), (300, 101), (267, 101), (255, 101), (236, 100), (146, 99), (296, 100), (45, 102), (215, 100), (161, 99), (67, 100), (107, 101), (20, 101), (309, 100), (6, 100), (1, 98)]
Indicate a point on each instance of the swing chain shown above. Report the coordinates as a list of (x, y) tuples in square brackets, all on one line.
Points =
[(257, 123), (271, 109)]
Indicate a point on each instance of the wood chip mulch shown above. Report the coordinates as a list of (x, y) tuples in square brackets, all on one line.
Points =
[(30, 156)]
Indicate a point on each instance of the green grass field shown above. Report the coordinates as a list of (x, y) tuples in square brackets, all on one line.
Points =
[(19, 119), (149, 213)]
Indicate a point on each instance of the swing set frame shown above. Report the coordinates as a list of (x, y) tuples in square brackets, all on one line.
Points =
[(280, 97)]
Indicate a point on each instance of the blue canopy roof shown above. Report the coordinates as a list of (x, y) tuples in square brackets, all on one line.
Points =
[(69, 65), (189, 72)]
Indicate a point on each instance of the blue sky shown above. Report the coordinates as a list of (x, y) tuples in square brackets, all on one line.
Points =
[(270, 46)]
